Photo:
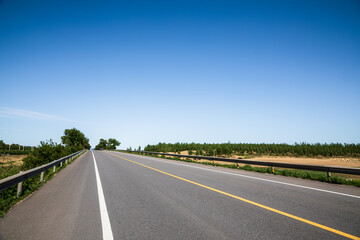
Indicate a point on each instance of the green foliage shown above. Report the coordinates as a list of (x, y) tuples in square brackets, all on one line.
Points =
[(6, 171), (102, 144), (46, 152), (2, 145), (113, 143), (75, 140), (248, 149), (15, 152), (110, 144), (7, 199)]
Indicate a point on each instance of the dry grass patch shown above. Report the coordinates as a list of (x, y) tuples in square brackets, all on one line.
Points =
[(7, 160), (322, 161)]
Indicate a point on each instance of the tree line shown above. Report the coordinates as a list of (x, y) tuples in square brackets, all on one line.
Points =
[(242, 149), (14, 149)]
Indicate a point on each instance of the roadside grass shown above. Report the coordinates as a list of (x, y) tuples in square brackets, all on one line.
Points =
[(6, 171), (8, 197), (304, 174)]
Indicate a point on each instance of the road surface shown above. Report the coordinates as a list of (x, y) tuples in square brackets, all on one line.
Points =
[(110, 195)]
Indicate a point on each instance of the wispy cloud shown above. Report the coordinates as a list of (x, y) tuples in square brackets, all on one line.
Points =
[(20, 113)]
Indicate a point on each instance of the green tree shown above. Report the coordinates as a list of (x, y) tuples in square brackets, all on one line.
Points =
[(109, 144), (2, 145), (112, 144), (102, 144), (75, 140)]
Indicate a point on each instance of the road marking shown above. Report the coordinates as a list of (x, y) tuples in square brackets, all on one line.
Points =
[(105, 221), (248, 201), (256, 178)]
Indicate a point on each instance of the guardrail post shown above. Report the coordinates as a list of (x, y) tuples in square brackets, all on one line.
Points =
[(41, 176), (61, 164), (19, 188), (54, 168), (328, 175)]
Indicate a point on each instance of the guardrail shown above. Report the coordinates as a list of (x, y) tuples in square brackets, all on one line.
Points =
[(22, 176), (328, 169)]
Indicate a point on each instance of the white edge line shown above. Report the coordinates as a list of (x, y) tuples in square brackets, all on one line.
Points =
[(245, 176), (105, 221)]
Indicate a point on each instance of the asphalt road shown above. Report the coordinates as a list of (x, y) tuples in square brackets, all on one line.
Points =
[(123, 196)]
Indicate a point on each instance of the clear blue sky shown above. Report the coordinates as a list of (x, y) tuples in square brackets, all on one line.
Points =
[(180, 71)]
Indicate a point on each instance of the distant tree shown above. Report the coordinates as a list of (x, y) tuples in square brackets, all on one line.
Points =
[(2, 145), (112, 144), (102, 144), (75, 140), (109, 144), (14, 146)]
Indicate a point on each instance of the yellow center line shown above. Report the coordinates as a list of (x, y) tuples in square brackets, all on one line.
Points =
[(248, 201)]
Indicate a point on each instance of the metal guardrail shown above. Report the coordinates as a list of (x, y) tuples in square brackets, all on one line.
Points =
[(328, 169), (22, 176)]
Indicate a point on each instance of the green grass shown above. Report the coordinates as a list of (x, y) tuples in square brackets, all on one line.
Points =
[(8, 197), (304, 174), (6, 171)]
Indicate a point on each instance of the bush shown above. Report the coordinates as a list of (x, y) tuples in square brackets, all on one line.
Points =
[(47, 151)]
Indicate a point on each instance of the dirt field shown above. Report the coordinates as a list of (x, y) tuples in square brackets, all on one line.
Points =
[(339, 162), (7, 160)]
